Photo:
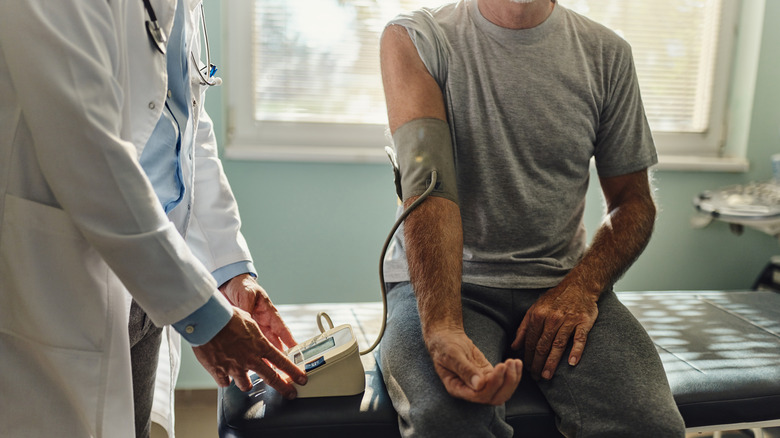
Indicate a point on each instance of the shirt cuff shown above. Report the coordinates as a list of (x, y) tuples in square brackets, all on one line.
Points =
[(204, 323), (225, 273)]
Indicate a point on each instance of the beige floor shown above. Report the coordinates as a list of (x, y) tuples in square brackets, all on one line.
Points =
[(196, 417)]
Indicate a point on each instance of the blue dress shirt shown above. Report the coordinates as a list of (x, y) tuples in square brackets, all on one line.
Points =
[(170, 142)]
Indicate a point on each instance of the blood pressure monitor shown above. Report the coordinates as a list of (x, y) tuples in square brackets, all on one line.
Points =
[(332, 358), (332, 363)]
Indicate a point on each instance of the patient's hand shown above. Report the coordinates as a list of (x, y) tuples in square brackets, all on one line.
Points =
[(561, 315), (465, 371)]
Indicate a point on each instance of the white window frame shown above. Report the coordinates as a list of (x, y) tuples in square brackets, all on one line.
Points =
[(719, 148), (283, 141)]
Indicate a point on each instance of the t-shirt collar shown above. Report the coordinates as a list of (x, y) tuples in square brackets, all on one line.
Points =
[(516, 35)]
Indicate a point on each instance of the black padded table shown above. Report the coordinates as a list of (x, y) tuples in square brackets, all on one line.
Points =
[(721, 352)]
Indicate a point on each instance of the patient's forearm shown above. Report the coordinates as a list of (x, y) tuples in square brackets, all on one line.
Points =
[(434, 246), (616, 244)]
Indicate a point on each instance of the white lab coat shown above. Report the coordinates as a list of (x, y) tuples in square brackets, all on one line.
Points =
[(81, 89)]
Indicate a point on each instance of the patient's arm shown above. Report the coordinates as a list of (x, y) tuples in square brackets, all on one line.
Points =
[(568, 311), (434, 243)]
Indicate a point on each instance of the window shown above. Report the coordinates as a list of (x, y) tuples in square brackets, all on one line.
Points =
[(304, 77), (682, 51)]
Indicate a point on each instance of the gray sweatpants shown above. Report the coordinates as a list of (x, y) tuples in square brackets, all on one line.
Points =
[(619, 388)]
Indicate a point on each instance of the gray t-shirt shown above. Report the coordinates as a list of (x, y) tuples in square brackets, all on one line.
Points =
[(528, 109)]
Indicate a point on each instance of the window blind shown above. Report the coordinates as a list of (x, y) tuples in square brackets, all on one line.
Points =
[(318, 60)]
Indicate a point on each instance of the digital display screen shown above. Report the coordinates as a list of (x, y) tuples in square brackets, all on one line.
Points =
[(318, 348)]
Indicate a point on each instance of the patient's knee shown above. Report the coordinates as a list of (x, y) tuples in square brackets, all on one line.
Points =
[(670, 425), (459, 418), (651, 424)]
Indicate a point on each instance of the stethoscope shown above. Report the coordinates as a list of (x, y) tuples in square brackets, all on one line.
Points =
[(158, 38)]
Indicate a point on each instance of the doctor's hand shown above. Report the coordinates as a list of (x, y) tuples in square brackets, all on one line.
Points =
[(563, 313), (240, 347), (465, 371), (243, 292)]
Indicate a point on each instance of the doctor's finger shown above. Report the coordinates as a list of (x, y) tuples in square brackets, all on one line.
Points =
[(275, 381), (275, 341), (272, 337), (271, 323), (242, 380), (275, 358), (281, 331), (287, 337), (222, 379), (215, 369)]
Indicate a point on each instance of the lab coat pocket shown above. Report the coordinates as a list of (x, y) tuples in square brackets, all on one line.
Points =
[(54, 284), (62, 385)]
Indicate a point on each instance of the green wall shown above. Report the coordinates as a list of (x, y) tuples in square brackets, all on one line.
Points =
[(316, 229)]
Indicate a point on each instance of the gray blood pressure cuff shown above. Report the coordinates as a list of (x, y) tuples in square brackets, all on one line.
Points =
[(422, 146)]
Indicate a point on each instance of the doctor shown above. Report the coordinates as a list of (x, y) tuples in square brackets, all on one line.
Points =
[(83, 92)]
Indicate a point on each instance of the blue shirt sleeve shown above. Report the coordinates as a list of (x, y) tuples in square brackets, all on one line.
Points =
[(225, 273), (204, 323), (162, 163)]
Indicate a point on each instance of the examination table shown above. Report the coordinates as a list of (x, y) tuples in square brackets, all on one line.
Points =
[(721, 352)]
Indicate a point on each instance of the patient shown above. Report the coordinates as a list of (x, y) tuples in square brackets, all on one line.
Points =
[(495, 265)]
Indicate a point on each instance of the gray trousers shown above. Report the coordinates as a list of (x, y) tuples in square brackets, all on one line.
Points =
[(619, 388), (145, 338)]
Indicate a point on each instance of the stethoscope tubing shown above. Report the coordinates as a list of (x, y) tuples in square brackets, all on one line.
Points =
[(158, 38)]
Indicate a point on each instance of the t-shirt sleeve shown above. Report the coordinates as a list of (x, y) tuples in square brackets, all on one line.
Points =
[(429, 39), (624, 142)]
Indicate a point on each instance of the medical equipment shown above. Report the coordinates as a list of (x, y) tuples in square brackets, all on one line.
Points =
[(208, 71), (331, 362), (153, 29), (331, 359), (426, 147), (756, 205), (159, 39)]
